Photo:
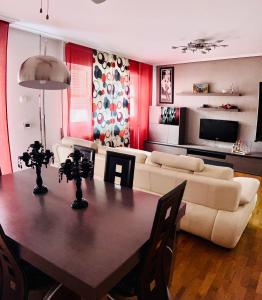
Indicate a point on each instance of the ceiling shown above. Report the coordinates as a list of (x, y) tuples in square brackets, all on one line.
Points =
[(145, 30)]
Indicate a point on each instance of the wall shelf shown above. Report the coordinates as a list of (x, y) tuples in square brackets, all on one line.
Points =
[(218, 109), (209, 94)]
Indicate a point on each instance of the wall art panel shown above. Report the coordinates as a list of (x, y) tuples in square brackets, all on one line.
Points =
[(111, 99)]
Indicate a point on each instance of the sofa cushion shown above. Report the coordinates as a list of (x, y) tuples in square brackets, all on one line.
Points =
[(178, 161), (150, 163), (71, 141), (216, 172), (140, 155), (249, 187), (176, 169)]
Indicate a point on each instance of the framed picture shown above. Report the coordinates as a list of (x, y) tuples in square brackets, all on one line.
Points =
[(200, 88), (166, 85), (169, 115)]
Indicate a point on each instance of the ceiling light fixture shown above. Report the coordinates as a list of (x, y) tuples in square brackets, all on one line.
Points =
[(201, 45), (98, 1)]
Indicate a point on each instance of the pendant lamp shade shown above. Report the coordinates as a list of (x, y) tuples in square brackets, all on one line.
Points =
[(44, 73)]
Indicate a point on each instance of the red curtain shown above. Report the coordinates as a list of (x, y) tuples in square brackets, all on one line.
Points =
[(78, 113), (140, 100), (5, 157)]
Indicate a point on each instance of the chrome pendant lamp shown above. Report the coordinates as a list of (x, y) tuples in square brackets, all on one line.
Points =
[(44, 73)]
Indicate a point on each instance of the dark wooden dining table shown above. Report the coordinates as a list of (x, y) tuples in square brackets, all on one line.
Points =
[(88, 250)]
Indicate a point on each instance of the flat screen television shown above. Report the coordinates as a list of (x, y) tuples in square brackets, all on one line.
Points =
[(218, 130)]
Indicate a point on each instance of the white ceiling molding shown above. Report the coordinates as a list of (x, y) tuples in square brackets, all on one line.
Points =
[(146, 30)]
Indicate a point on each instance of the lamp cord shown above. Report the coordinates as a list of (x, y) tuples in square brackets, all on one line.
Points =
[(47, 15), (47, 8)]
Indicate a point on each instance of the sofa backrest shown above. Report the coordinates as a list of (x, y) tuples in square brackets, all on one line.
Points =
[(71, 141), (211, 192), (141, 155), (181, 162)]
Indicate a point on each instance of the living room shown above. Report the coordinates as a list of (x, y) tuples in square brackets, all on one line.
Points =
[(172, 98)]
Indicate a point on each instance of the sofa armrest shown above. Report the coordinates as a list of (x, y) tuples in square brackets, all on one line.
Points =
[(61, 153), (229, 226), (55, 151), (248, 190)]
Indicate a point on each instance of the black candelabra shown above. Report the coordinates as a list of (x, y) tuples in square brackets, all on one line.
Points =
[(35, 157), (75, 168)]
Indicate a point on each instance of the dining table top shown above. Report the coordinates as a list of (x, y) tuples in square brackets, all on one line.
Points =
[(88, 250)]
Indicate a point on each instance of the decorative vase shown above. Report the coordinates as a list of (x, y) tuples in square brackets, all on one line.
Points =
[(75, 168), (34, 158)]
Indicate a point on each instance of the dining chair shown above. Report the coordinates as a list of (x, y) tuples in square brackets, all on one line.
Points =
[(21, 281), (89, 153), (150, 279), (120, 165)]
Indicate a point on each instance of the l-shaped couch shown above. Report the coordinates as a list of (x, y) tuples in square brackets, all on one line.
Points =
[(219, 205)]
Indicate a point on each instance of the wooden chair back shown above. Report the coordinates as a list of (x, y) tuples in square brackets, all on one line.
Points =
[(88, 153), (12, 279), (125, 162), (158, 256)]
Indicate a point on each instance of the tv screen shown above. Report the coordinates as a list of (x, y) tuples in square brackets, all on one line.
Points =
[(218, 130)]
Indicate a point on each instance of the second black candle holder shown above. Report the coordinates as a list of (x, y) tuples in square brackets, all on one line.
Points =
[(75, 168)]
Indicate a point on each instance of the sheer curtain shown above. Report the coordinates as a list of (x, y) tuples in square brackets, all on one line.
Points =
[(140, 100), (5, 158), (79, 112)]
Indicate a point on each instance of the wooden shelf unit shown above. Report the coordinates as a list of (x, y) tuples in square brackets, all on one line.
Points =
[(218, 109), (210, 94)]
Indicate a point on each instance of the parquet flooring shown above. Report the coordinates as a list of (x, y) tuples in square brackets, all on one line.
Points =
[(206, 271)]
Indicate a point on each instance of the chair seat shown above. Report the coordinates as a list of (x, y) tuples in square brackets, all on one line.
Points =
[(127, 287), (36, 279)]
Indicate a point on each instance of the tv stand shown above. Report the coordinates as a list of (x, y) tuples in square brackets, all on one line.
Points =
[(250, 163)]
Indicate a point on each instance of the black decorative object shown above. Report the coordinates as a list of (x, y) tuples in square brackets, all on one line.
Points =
[(75, 168), (35, 157), (170, 115)]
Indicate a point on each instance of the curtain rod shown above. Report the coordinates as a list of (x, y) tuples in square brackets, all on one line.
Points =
[(17, 25), (36, 31), (7, 19)]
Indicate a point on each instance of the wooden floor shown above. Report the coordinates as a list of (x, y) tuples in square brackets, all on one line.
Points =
[(207, 271)]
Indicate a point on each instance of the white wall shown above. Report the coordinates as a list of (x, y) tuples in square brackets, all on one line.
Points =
[(244, 73), (22, 45), (154, 97)]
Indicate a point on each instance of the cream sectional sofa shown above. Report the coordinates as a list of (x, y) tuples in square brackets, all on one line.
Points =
[(219, 205)]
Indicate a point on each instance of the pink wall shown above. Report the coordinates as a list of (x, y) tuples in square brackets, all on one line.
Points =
[(244, 73)]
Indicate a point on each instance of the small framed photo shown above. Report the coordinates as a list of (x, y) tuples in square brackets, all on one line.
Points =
[(166, 85), (200, 88)]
